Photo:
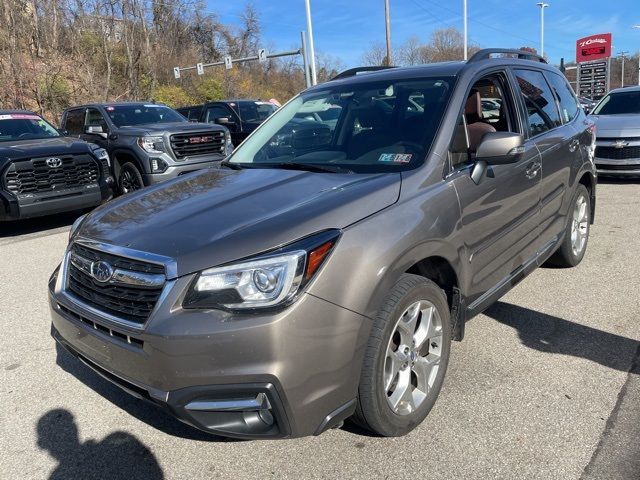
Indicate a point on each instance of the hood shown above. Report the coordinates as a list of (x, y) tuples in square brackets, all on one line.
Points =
[(216, 216), (44, 147), (173, 127), (622, 125)]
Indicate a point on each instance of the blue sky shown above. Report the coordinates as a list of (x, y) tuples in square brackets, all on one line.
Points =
[(345, 29)]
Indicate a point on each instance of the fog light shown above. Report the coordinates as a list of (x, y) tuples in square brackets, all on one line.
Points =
[(157, 165)]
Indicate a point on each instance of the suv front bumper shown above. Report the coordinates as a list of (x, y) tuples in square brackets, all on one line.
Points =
[(36, 205), (286, 374), (174, 171)]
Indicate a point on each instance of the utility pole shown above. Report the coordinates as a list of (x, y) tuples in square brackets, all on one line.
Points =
[(542, 6), (464, 28), (387, 24), (622, 55), (638, 26), (312, 53)]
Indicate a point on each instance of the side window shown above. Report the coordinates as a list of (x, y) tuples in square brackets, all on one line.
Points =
[(216, 111), (542, 112), (74, 122), (95, 119), (488, 108), (567, 99)]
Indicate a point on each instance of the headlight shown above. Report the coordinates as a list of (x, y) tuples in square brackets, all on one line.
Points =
[(75, 225), (152, 144), (102, 155), (228, 144), (269, 280)]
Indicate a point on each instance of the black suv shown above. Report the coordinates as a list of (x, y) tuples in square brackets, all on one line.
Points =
[(43, 172), (148, 143), (241, 117)]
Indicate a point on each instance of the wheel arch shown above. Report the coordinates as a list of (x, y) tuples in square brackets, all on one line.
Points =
[(588, 179), (440, 271)]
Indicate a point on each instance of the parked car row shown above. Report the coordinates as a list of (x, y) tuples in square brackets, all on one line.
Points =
[(105, 149)]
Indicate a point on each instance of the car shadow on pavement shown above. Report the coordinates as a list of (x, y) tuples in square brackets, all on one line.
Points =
[(38, 225), (550, 334), (140, 409), (117, 456)]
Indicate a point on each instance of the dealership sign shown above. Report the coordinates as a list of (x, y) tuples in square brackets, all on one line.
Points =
[(593, 55), (594, 47)]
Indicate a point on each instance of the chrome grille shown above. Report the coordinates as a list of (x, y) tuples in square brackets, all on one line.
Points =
[(130, 294), (35, 176), (201, 143)]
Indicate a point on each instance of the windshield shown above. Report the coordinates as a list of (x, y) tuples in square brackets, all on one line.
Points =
[(127, 115), (372, 127), (619, 103), (21, 126)]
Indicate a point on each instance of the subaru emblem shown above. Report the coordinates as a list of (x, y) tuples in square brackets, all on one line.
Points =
[(54, 162), (101, 271)]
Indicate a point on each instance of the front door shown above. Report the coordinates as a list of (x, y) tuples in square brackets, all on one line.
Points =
[(500, 214)]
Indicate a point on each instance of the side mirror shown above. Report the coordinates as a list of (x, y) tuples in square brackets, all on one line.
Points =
[(63, 132), (500, 148), (497, 148), (95, 130), (223, 121)]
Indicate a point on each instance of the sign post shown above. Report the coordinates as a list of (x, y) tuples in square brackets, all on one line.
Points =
[(593, 55)]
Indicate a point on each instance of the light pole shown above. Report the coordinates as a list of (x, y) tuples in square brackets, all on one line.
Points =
[(464, 27), (542, 6), (387, 29), (638, 26), (622, 55), (312, 52)]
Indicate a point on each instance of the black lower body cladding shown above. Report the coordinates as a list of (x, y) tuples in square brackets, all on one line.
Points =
[(287, 374), (14, 207)]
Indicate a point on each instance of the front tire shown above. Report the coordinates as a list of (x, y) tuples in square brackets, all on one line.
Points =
[(129, 179), (406, 358), (574, 244)]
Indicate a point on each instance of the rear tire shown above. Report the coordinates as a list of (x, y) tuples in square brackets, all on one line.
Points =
[(129, 179), (406, 358), (576, 236)]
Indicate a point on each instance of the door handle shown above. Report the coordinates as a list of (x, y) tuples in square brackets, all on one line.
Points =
[(575, 143), (532, 170)]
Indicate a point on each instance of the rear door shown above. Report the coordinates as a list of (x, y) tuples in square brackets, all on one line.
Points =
[(558, 145)]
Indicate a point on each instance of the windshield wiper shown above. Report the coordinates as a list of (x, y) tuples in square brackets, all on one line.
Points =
[(232, 166), (309, 167)]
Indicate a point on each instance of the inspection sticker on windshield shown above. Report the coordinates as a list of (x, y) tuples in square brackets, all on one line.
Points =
[(395, 157)]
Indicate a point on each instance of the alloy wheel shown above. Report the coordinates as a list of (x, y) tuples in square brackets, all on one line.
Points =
[(579, 225), (413, 357)]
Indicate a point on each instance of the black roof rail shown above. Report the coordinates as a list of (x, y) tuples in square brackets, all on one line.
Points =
[(486, 53), (354, 71)]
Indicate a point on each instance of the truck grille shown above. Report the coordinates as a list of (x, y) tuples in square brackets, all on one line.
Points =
[(614, 153), (193, 144), (35, 176), (133, 303)]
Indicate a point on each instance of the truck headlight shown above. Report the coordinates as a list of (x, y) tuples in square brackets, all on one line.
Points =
[(102, 155), (152, 144), (269, 280), (228, 144)]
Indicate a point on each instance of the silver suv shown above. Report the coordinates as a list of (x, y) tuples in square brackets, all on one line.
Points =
[(321, 273)]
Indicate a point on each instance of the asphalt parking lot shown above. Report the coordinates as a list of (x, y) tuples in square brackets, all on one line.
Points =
[(546, 385)]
